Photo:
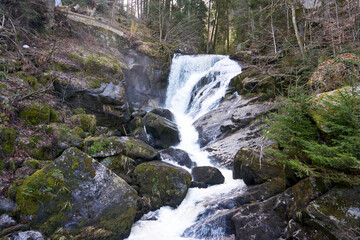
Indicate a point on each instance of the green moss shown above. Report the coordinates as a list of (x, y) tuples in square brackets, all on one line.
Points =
[(78, 131), (32, 81), (3, 86), (86, 121), (43, 186), (96, 82), (32, 162), (36, 114), (79, 111), (43, 152), (119, 224), (54, 116), (75, 57), (97, 147), (7, 140)]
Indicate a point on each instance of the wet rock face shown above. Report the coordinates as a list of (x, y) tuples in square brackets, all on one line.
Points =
[(76, 191), (162, 183), (179, 156), (234, 123), (146, 81), (164, 132), (208, 175)]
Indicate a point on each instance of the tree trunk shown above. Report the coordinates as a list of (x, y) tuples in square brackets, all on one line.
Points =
[(208, 28), (272, 26), (297, 34)]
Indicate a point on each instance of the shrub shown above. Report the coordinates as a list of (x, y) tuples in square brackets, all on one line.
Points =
[(333, 154)]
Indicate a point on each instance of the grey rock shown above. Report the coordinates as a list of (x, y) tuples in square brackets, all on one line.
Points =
[(179, 156), (234, 123), (87, 193), (33, 235), (163, 183), (128, 146), (108, 103), (164, 132), (163, 112), (253, 170), (207, 174), (7, 205), (146, 80), (6, 221), (336, 213)]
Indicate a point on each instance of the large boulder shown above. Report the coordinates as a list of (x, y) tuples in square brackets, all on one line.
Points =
[(280, 215), (177, 155), (164, 132), (75, 191), (163, 112), (336, 213), (162, 183), (131, 147), (320, 100), (254, 167), (334, 73), (207, 174)]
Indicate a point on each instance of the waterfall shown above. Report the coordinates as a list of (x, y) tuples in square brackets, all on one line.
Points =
[(196, 85), (58, 3)]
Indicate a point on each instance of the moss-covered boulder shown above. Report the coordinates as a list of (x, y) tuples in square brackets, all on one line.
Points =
[(319, 104), (129, 146), (74, 192), (86, 121), (164, 132), (336, 213), (162, 183), (335, 73), (121, 165), (66, 137), (39, 114), (255, 170), (251, 80), (7, 140)]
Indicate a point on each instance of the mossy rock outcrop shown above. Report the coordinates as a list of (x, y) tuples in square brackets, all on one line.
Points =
[(336, 213), (74, 192), (162, 183), (129, 146), (253, 170), (164, 132), (39, 114)]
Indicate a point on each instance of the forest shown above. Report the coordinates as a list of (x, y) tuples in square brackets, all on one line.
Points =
[(180, 119)]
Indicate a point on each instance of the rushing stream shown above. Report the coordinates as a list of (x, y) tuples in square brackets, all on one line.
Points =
[(196, 86)]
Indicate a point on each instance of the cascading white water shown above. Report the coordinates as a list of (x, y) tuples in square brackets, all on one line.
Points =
[(196, 86)]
